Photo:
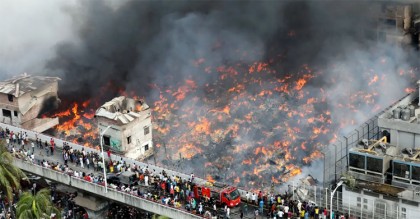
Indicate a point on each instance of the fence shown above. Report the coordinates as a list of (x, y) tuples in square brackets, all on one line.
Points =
[(335, 154), (356, 205)]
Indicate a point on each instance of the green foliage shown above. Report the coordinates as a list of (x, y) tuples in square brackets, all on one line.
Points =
[(10, 175), (36, 206), (349, 180)]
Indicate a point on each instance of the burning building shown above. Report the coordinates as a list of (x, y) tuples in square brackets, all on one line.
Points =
[(23, 98), (130, 127)]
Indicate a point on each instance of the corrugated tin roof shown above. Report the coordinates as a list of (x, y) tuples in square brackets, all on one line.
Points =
[(25, 83), (121, 109)]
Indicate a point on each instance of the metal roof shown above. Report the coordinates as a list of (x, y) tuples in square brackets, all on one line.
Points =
[(24, 83), (122, 109)]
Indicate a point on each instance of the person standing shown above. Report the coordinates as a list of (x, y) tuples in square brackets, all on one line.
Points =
[(87, 162), (81, 162), (228, 212), (261, 206), (254, 199)]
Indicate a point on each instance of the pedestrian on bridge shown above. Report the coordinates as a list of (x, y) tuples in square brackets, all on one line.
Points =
[(261, 206), (46, 149), (81, 162)]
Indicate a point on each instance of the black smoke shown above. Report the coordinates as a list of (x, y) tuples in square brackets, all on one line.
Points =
[(141, 42), (135, 44)]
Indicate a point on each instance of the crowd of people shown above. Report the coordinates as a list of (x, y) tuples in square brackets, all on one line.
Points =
[(160, 187)]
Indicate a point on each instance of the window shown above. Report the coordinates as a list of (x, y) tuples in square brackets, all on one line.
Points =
[(16, 114), (359, 201), (10, 97), (146, 147), (403, 213), (146, 130), (129, 140), (7, 113), (107, 140), (365, 204)]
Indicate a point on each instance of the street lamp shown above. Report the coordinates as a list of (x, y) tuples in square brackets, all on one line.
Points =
[(332, 195), (103, 156)]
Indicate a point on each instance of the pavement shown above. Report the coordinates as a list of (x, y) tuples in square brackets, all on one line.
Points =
[(41, 154)]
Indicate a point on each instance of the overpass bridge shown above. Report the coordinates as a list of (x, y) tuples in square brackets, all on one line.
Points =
[(96, 189), (99, 190)]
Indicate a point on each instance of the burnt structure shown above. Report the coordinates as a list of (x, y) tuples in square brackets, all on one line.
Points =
[(23, 98), (130, 127)]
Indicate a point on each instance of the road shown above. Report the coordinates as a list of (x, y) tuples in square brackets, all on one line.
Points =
[(40, 154)]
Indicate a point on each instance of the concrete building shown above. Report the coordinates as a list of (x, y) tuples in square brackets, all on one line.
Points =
[(396, 22), (386, 167), (130, 132), (24, 97)]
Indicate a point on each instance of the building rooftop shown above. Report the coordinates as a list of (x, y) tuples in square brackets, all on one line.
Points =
[(25, 83), (122, 109)]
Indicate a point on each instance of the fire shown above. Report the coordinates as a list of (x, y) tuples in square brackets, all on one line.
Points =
[(188, 151), (251, 114), (210, 179), (203, 126), (247, 162), (373, 80)]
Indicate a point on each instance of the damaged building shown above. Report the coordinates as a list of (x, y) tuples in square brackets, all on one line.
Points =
[(130, 127), (25, 97)]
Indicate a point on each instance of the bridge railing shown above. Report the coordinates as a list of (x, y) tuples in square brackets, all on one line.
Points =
[(59, 144), (98, 189)]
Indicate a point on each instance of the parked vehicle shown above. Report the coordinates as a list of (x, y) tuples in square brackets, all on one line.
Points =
[(127, 178)]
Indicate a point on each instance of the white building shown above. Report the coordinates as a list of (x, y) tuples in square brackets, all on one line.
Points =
[(24, 97), (130, 131), (387, 171)]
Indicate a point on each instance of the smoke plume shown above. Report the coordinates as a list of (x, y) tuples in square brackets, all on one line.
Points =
[(138, 45)]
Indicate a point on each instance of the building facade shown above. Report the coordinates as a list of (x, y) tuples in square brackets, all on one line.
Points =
[(24, 98), (130, 127)]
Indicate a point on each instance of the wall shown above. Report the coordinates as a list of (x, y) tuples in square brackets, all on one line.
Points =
[(135, 129), (12, 106), (39, 95), (114, 133), (98, 190), (377, 206)]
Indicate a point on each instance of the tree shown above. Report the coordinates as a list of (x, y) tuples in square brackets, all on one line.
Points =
[(36, 206), (10, 175)]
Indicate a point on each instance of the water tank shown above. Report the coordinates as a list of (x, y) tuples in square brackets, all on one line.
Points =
[(396, 112), (405, 114), (412, 110)]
